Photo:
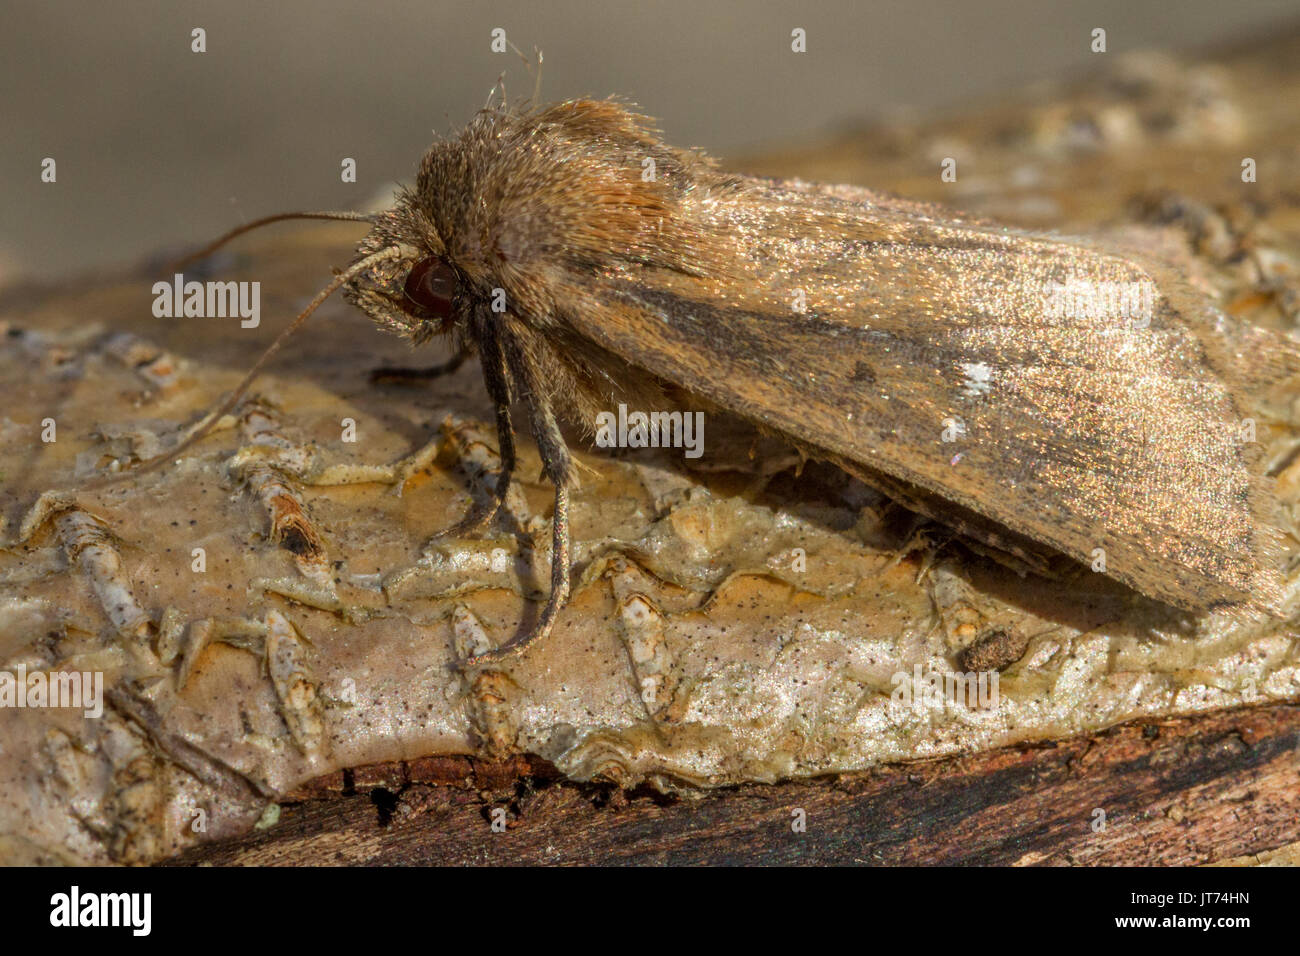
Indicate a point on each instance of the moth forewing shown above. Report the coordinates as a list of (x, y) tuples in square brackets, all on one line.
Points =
[(1046, 385)]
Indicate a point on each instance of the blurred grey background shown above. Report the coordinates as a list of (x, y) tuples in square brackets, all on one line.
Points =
[(157, 145)]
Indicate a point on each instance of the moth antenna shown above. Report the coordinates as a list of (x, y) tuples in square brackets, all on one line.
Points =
[(209, 421), (266, 221), (537, 79), (500, 84), (528, 65)]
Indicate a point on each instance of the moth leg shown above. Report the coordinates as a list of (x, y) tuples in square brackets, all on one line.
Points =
[(496, 378), (558, 466), (399, 375)]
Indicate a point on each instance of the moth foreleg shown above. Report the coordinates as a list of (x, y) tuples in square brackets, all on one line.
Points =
[(558, 466), (496, 379)]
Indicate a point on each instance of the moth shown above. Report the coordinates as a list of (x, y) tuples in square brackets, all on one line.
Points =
[(1044, 396)]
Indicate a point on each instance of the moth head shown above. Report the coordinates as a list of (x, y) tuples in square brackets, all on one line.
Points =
[(417, 293), (521, 198)]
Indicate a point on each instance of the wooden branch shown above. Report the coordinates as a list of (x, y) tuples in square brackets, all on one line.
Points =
[(1177, 792)]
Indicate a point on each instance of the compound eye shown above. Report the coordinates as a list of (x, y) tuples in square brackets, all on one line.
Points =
[(430, 286)]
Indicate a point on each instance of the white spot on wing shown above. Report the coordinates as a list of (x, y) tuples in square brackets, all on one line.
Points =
[(979, 379)]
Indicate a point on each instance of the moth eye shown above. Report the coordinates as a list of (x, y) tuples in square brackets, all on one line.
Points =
[(430, 287)]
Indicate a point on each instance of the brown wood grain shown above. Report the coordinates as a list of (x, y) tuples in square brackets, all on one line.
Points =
[(1177, 792)]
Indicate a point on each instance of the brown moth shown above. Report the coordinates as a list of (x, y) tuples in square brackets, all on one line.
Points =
[(1044, 396)]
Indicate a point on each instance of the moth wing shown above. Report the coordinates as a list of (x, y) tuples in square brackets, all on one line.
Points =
[(1051, 387)]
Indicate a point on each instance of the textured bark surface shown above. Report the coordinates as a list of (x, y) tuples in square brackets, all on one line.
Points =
[(1182, 792), (722, 675)]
